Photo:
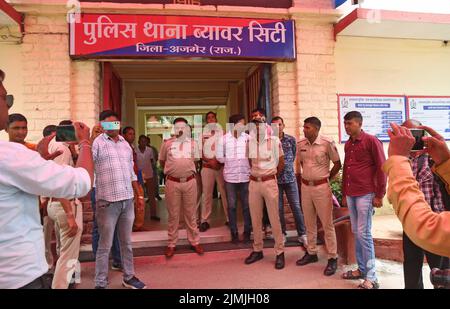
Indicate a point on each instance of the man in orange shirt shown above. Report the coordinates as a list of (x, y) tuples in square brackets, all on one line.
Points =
[(18, 129), (427, 229)]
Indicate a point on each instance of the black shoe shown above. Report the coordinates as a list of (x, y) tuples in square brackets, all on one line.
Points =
[(234, 238), (331, 267), (158, 198), (279, 262), (116, 266), (254, 257), (307, 259), (204, 227), (100, 287)]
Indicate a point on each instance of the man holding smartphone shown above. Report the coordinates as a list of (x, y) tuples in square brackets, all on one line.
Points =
[(115, 181), (22, 250), (422, 170)]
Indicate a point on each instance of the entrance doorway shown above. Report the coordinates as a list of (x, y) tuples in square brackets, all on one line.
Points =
[(153, 93)]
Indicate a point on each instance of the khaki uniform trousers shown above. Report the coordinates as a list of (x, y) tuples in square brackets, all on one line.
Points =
[(182, 197), (49, 227), (260, 192), (317, 201), (209, 177), (69, 246)]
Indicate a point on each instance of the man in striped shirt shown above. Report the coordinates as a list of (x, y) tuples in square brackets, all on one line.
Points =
[(413, 254)]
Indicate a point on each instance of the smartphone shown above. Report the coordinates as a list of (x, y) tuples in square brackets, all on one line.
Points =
[(66, 133), (9, 100), (418, 134), (111, 125)]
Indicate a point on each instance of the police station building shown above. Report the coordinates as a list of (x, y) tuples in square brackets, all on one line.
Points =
[(153, 60)]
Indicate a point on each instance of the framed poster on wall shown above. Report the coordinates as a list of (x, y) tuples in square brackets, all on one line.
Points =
[(378, 111), (431, 111)]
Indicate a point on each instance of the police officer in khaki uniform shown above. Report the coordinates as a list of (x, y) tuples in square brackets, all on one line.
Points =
[(315, 153), (212, 171), (266, 159), (178, 157)]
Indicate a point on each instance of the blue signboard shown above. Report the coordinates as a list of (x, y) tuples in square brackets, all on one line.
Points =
[(378, 112), (119, 35)]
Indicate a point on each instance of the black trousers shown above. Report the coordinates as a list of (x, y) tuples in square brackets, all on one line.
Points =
[(413, 262), (43, 282)]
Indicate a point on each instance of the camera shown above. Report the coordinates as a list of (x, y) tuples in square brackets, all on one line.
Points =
[(418, 134)]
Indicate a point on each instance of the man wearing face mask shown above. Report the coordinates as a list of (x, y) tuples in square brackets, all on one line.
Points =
[(115, 185), (178, 157)]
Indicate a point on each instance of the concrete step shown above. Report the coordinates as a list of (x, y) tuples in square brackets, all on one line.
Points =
[(387, 233)]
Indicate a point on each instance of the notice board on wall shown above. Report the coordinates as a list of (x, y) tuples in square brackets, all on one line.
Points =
[(378, 111), (431, 111)]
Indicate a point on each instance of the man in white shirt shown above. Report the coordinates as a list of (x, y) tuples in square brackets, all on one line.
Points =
[(145, 161), (231, 151), (24, 175)]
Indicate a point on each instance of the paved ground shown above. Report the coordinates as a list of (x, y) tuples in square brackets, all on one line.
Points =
[(226, 270)]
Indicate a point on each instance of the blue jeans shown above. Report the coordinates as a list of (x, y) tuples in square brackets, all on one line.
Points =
[(115, 250), (293, 198), (112, 216), (232, 190), (361, 212)]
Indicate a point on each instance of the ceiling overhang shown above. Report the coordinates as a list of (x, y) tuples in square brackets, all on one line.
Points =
[(394, 24)]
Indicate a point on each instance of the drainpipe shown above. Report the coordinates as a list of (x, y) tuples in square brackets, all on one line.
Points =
[(267, 95)]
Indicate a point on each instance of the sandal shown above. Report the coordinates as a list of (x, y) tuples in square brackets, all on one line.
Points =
[(369, 285), (350, 275)]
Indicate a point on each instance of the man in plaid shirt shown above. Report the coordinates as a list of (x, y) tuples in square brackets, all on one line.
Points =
[(413, 254), (115, 182)]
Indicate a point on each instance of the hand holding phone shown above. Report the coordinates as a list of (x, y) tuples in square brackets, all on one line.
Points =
[(436, 146), (82, 131)]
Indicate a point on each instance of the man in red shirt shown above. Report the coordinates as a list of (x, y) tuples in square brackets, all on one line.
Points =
[(363, 188)]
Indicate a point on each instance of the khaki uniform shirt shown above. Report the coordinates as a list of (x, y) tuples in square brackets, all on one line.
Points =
[(264, 155), (316, 158), (179, 157)]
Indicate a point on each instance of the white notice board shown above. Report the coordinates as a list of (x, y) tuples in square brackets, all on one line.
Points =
[(433, 112), (378, 112)]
